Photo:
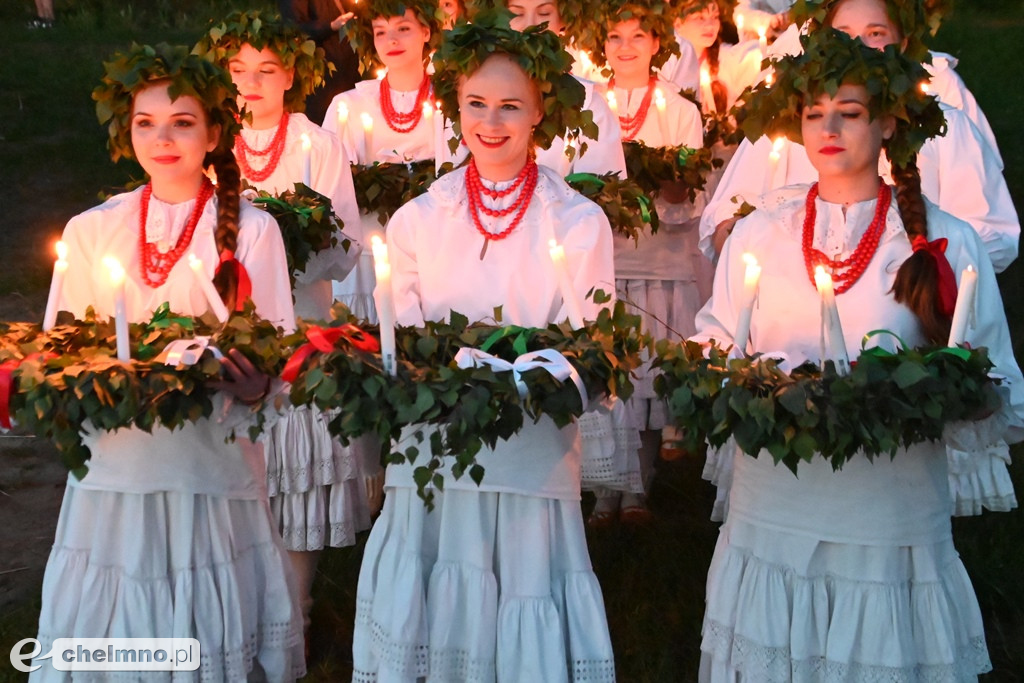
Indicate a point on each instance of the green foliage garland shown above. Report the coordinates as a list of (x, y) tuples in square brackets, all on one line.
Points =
[(70, 375), (650, 167), (382, 188), (471, 407), (889, 401), (261, 30), (831, 59), (307, 221), (623, 200), (541, 55), (129, 72)]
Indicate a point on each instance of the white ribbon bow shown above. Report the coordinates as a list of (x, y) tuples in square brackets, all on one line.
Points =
[(188, 351), (549, 359)]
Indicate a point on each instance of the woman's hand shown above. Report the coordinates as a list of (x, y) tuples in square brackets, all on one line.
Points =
[(674, 192), (343, 19), (242, 379), (722, 233)]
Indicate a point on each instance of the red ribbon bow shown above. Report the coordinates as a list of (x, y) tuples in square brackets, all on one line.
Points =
[(324, 340), (244, 282), (7, 383), (947, 280)]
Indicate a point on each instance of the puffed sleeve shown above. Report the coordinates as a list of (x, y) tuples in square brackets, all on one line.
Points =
[(261, 251), (960, 173), (683, 71), (603, 155), (405, 281), (951, 89), (78, 291), (589, 250), (743, 178)]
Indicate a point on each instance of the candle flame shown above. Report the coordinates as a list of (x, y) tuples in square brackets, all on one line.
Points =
[(924, 87), (115, 270), (428, 111), (705, 77), (762, 33), (437, 105), (970, 267), (367, 121), (769, 78), (552, 244), (307, 144), (739, 23), (381, 73), (342, 112), (749, 259), (778, 143), (62, 250), (611, 100)]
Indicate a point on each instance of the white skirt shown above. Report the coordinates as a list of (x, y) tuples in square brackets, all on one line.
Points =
[(487, 587), (173, 565), (316, 490), (610, 442), (356, 290), (789, 608)]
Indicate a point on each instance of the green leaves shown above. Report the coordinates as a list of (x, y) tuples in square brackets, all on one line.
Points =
[(623, 201), (889, 401), (654, 167), (384, 187)]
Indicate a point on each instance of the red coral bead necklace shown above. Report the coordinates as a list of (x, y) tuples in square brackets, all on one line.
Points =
[(631, 125), (243, 151), (845, 272), (153, 265), (525, 182), (397, 121)]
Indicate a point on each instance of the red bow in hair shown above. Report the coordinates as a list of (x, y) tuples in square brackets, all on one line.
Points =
[(244, 283), (324, 340), (7, 383), (947, 280)]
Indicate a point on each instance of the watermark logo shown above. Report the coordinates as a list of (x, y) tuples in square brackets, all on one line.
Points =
[(109, 654)]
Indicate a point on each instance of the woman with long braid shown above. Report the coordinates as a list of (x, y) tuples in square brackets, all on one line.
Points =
[(168, 535), (851, 574)]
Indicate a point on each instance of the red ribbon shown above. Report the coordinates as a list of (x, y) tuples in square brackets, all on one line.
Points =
[(947, 280), (325, 340), (7, 383), (244, 282)]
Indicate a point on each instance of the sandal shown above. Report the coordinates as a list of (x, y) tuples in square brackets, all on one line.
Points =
[(636, 515), (602, 519)]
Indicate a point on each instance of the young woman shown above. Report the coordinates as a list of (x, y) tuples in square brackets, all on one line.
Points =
[(960, 171), (316, 490), (495, 583), (391, 119), (169, 535), (660, 273), (850, 574)]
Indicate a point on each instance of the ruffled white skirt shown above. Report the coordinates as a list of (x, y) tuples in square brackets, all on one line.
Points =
[(486, 587), (317, 496), (785, 607), (173, 565), (610, 442), (356, 290)]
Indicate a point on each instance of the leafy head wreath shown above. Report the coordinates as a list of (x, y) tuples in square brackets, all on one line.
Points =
[(830, 59), (684, 8), (265, 30), (359, 29), (576, 16), (540, 54), (915, 19), (186, 74), (654, 16)]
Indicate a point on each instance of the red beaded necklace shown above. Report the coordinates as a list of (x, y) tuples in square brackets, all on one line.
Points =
[(398, 122), (153, 265), (274, 150), (847, 271), (526, 182), (631, 125)]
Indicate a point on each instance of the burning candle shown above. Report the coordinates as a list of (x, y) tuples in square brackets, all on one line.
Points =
[(381, 73), (739, 26), (706, 94), (342, 116), (307, 160), (762, 39), (659, 103), (774, 157), (367, 121), (60, 267), (569, 300), (385, 302), (964, 306), (613, 104), (834, 339), (751, 277), (213, 300), (117, 276)]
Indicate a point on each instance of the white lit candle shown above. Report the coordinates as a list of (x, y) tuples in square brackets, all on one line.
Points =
[(830, 319), (307, 159), (381, 73), (706, 95), (213, 300), (613, 104), (739, 26), (762, 39), (569, 299), (368, 154), (964, 306), (751, 277), (771, 181), (659, 103), (342, 116), (60, 267), (117, 275), (385, 302)]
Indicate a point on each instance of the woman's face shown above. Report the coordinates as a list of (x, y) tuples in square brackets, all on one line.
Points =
[(701, 28), (262, 81), (839, 135), (629, 49), (868, 20), (533, 12), (399, 41), (498, 109), (452, 11), (170, 139)]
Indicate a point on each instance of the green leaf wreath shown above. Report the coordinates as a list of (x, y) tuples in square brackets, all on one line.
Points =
[(887, 402), (70, 375), (382, 188), (307, 221), (623, 201), (651, 167), (470, 407)]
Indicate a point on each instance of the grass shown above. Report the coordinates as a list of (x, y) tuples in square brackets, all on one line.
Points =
[(53, 162)]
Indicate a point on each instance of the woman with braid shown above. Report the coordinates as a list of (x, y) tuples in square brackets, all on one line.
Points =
[(168, 535), (850, 574)]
